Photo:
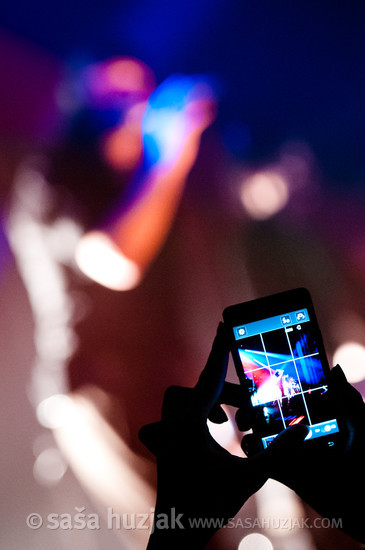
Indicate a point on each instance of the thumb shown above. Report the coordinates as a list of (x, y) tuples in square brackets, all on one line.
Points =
[(287, 440), (275, 456), (285, 447)]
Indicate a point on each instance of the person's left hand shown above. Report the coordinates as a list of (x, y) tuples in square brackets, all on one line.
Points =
[(198, 480)]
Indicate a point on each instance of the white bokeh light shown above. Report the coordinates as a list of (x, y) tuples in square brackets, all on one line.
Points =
[(55, 411), (49, 467), (351, 357), (264, 194), (255, 541), (100, 259)]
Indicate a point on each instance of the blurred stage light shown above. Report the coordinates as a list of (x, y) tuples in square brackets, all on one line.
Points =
[(62, 239), (277, 502), (255, 541), (103, 461), (42, 442), (99, 258), (128, 75), (56, 343), (36, 245), (55, 411), (264, 194), (49, 467), (351, 357)]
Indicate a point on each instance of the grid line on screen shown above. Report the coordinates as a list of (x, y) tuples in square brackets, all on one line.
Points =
[(300, 383), (271, 376)]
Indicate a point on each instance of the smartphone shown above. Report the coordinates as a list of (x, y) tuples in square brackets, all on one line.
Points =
[(278, 352)]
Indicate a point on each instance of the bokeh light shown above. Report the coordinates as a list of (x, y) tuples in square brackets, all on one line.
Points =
[(255, 541), (351, 357), (264, 194), (100, 259), (55, 411), (275, 501), (49, 467)]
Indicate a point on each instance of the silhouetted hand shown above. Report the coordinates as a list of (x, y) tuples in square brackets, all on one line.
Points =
[(198, 480), (330, 479)]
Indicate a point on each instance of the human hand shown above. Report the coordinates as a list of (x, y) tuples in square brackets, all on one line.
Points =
[(177, 112), (198, 480), (329, 479)]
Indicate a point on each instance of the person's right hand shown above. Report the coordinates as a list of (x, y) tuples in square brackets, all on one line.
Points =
[(330, 479), (177, 113)]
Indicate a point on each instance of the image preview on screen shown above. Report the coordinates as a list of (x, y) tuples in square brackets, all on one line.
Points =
[(281, 362)]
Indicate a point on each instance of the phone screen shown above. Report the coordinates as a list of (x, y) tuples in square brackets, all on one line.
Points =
[(281, 361)]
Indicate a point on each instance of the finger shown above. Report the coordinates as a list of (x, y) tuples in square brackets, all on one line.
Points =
[(152, 437), (251, 445), (217, 415), (348, 400), (237, 395), (232, 394), (289, 439), (211, 380), (177, 404), (244, 419), (276, 456), (286, 441), (285, 450)]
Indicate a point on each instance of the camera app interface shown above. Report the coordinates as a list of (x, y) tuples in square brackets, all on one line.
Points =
[(281, 362)]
